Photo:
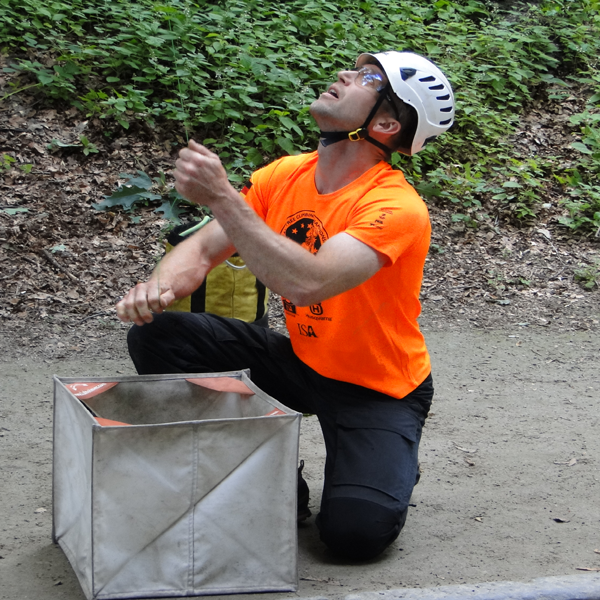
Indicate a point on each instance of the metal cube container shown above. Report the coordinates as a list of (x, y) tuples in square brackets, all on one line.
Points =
[(175, 485)]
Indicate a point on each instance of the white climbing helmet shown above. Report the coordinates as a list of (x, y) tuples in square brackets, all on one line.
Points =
[(418, 82)]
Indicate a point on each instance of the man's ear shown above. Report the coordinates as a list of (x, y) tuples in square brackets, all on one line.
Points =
[(387, 125)]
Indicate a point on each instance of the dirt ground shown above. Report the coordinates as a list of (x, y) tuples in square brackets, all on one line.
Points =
[(509, 458)]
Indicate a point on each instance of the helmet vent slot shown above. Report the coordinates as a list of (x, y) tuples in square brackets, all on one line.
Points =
[(446, 109), (440, 86), (429, 78), (445, 122), (446, 97), (407, 73)]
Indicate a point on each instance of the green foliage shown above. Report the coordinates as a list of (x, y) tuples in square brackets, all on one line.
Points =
[(238, 75), (141, 190), (588, 276), (6, 162), (84, 144), (14, 211), (582, 203), (88, 147)]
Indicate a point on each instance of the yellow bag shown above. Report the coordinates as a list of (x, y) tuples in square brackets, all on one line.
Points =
[(229, 290)]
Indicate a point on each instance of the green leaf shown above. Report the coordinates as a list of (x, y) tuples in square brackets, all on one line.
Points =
[(254, 157), (171, 211), (429, 189), (56, 144), (287, 145), (126, 197), (287, 122), (13, 211), (581, 147), (45, 78), (154, 40), (142, 180)]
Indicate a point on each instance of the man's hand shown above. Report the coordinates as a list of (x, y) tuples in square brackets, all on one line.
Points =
[(144, 299), (179, 273), (200, 176)]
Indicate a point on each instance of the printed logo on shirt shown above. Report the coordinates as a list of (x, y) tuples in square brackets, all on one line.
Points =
[(316, 309), (316, 313), (289, 306), (380, 220), (306, 229), (306, 330)]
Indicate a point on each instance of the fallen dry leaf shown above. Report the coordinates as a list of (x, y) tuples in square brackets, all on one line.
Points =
[(479, 519), (468, 450), (40, 510), (328, 580), (570, 463), (559, 520)]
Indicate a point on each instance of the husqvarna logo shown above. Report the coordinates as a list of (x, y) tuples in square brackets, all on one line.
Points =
[(316, 309)]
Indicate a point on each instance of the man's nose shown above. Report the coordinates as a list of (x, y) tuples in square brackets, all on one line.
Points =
[(346, 77)]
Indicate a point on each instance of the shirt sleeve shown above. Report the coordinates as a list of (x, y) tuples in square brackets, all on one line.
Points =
[(256, 191), (390, 221)]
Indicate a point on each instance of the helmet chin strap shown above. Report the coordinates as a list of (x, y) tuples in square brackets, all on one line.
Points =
[(362, 133)]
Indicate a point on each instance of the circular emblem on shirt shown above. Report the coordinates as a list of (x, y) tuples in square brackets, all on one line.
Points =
[(305, 229)]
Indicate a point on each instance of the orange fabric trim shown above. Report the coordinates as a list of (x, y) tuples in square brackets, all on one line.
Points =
[(89, 389), (222, 384), (109, 423)]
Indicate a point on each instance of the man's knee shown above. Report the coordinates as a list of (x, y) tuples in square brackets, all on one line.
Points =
[(358, 529), (157, 346), (139, 343)]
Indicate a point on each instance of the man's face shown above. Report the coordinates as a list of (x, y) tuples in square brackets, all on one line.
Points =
[(347, 103)]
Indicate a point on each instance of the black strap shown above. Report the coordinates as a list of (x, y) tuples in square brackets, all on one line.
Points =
[(260, 302), (331, 137)]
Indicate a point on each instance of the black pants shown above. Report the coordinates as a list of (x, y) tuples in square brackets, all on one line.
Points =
[(371, 439)]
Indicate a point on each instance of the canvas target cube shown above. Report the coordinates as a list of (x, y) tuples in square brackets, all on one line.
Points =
[(175, 485)]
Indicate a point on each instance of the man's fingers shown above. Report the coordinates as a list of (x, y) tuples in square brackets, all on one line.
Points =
[(166, 299), (194, 152), (144, 297), (135, 305), (200, 149), (122, 312)]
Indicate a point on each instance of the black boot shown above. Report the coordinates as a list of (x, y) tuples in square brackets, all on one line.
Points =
[(303, 495)]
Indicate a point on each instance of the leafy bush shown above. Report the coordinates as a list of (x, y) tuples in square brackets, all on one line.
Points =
[(141, 189), (240, 74)]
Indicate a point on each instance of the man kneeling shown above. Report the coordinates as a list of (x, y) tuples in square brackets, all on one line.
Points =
[(342, 238)]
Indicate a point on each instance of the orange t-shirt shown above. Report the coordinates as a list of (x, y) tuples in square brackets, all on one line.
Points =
[(368, 335)]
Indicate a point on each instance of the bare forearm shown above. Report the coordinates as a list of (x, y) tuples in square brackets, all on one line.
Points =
[(176, 276), (289, 269), (186, 266), (280, 263)]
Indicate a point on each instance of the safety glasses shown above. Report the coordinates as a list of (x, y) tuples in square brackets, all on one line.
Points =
[(368, 76)]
